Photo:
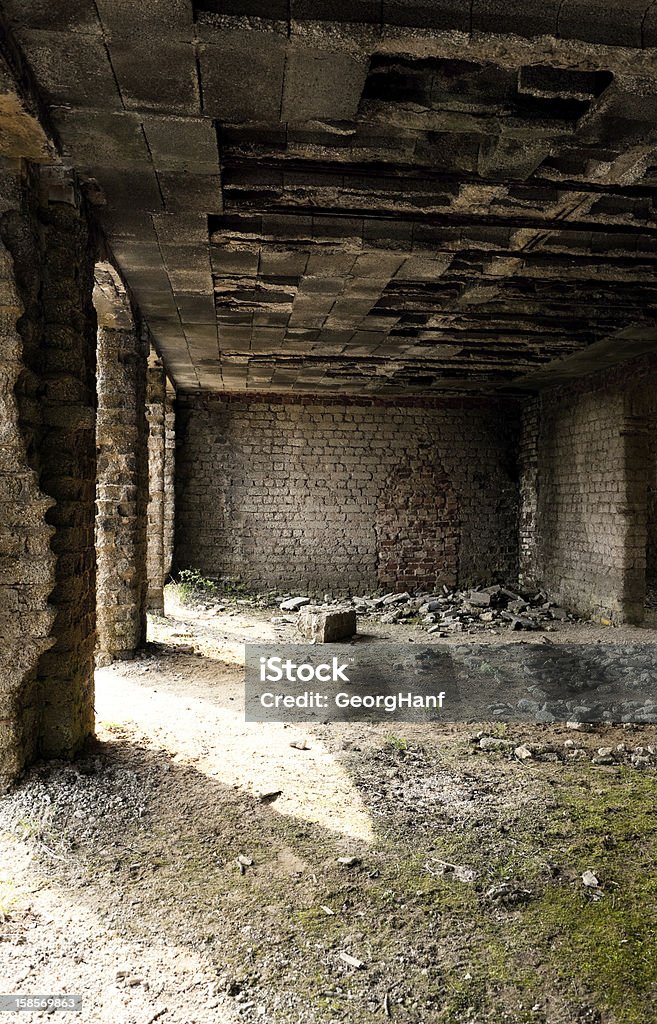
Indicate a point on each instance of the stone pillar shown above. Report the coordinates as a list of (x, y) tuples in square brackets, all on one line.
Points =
[(47, 234), (528, 571), (122, 485), (156, 398), (169, 476), (27, 565)]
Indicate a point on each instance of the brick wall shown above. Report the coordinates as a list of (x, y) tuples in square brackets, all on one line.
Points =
[(590, 491), (342, 496), (651, 497)]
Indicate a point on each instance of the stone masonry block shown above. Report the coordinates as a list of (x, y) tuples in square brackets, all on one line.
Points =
[(326, 625)]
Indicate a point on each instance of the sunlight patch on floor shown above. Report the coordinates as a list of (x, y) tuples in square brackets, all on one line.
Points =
[(205, 726)]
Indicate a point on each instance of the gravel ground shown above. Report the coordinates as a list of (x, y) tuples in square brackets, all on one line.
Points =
[(119, 875)]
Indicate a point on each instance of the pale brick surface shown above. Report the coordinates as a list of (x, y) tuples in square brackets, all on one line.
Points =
[(346, 496), (585, 514)]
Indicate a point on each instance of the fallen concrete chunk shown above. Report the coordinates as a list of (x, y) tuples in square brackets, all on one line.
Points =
[(293, 604), (326, 626), (494, 743)]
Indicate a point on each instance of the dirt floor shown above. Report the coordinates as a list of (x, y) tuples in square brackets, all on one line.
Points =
[(462, 899)]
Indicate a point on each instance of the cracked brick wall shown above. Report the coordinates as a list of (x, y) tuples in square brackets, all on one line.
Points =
[(346, 496), (592, 491), (122, 486), (49, 395)]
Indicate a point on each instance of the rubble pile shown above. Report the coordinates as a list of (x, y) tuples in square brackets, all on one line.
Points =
[(459, 611), (493, 609)]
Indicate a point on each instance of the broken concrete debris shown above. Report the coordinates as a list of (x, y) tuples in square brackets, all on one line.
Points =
[(293, 604), (636, 757), (450, 611), (470, 610), (326, 625)]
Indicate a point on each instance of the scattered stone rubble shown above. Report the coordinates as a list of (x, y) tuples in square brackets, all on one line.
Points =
[(569, 750), (464, 611), (443, 612)]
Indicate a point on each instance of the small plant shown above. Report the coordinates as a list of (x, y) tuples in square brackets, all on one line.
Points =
[(192, 585), (398, 743), (233, 588)]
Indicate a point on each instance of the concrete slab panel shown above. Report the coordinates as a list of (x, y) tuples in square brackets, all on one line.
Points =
[(157, 78), (196, 309), (516, 16), (322, 85), (366, 12), (429, 14), (617, 24), (650, 27), (101, 138), (151, 19), (256, 92), (78, 16), (72, 70), (185, 228), (191, 192), (184, 144), (133, 189)]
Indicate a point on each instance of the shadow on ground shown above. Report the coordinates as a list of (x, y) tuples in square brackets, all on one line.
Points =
[(468, 906)]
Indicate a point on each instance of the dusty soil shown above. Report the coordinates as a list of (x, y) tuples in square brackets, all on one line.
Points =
[(465, 902)]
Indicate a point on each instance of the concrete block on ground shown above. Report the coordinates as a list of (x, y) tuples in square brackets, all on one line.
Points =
[(326, 625)]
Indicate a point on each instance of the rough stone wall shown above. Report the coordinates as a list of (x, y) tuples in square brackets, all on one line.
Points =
[(592, 499), (346, 496), (26, 561), (122, 491), (528, 466), (169, 477), (155, 412), (53, 255)]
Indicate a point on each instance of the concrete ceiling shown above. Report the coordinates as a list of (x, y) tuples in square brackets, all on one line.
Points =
[(373, 196)]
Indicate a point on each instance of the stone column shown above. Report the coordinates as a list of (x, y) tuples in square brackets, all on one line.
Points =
[(122, 485), (528, 571), (169, 476), (47, 234), (156, 399), (66, 367), (27, 565)]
